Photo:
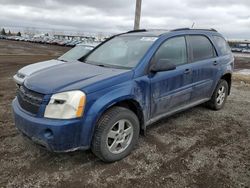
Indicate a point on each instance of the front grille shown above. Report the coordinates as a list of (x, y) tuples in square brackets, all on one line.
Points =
[(29, 100)]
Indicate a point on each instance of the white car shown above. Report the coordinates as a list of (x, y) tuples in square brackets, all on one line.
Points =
[(246, 51), (72, 55)]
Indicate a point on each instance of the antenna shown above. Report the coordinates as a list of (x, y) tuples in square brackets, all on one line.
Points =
[(193, 25)]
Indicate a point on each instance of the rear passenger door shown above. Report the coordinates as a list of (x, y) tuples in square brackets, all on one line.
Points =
[(204, 64), (171, 89)]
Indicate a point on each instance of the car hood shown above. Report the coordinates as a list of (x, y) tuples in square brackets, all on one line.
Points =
[(70, 76), (30, 69)]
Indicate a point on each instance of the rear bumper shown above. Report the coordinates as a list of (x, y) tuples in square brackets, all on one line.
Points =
[(55, 135)]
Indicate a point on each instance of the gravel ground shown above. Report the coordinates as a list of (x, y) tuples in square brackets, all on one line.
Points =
[(243, 61), (195, 148)]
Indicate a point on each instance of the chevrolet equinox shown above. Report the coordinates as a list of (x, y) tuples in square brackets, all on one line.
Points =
[(103, 101)]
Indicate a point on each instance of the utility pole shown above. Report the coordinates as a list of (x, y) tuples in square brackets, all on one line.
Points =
[(137, 15)]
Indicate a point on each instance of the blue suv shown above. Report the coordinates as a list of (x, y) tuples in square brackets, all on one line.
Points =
[(113, 93)]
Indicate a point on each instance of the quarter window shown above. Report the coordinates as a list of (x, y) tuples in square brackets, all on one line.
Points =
[(173, 50), (201, 48), (222, 44)]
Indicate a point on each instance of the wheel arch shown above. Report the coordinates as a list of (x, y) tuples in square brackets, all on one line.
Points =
[(128, 103), (134, 106), (228, 78)]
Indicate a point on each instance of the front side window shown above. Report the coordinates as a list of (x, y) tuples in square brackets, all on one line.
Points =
[(201, 47), (121, 51), (222, 45), (174, 50)]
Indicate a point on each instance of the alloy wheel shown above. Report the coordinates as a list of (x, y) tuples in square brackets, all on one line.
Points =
[(119, 136)]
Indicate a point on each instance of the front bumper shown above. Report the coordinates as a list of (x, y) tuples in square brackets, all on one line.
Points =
[(55, 135)]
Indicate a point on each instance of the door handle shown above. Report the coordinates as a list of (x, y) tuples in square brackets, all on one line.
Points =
[(187, 71), (215, 63)]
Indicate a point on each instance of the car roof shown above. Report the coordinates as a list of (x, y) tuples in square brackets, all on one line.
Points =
[(159, 32), (148, 32)]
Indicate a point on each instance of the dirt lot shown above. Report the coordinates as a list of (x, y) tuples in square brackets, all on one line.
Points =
[(243, 61), (195, 148)]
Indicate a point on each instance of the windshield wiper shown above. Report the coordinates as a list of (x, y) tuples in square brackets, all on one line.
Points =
[(106, 65), (100, 65), (62, 60)]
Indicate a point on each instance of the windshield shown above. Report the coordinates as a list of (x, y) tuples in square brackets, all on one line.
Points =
[(121, 51), (76, 53)]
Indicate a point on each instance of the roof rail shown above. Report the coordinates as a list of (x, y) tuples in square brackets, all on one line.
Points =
[(212, 29), (181, 29), (137, 30)]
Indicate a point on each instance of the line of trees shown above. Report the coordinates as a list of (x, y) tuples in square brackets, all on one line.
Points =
[(3, 32)]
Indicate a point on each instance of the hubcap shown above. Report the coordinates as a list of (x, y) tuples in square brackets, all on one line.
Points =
[(221, 95), (119, 136)]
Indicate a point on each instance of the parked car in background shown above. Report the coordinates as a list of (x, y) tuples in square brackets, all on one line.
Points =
[(236, 50), (122, 86), (73, 43), (2, 37), (246, 50), (61, 41), (71, 56)]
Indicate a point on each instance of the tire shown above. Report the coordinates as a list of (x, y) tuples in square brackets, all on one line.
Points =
[(213, 103), (112, 143)]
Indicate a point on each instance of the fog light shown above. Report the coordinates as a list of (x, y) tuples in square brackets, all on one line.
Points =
[(48, 134)]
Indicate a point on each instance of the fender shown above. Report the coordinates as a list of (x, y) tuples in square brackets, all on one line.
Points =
[(108, 97), (225, 68)]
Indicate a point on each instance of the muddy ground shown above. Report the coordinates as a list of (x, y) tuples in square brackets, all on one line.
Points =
[(195, 148), (242, 61)]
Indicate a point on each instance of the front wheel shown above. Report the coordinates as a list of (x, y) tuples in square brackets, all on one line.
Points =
[(116, 134), (219, 96)]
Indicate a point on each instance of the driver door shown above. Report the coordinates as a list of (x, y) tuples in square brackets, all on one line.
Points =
[(171, 90)]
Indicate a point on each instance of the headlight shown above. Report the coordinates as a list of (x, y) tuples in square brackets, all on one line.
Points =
[(66, 105)]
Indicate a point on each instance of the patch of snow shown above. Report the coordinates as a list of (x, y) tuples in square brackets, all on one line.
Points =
[(244, 72)]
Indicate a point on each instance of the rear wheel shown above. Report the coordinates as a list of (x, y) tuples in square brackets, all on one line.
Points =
[(116, 134), (219, 96)]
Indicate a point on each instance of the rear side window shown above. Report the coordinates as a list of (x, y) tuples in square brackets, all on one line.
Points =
[(174, 50), (201, 47), (222, 44)]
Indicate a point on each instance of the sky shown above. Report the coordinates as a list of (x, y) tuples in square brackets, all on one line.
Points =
[(229, 17)]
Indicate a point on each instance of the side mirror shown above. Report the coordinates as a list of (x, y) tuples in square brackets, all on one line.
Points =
[(162, 65)]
